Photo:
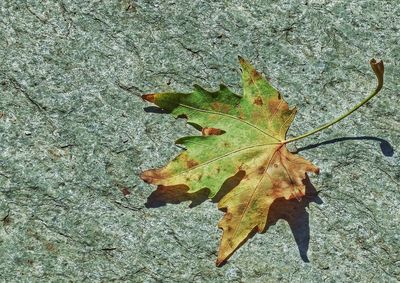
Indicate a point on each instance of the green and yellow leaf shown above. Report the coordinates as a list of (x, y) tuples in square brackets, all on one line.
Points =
[(239, 134)]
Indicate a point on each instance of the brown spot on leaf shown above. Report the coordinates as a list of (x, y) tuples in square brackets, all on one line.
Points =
[(277, 190), (276, 104), (258, 101), (191, 163), (273, 105), (261, 170), (212, 132), (242, 206), (220, 107), (228, 216), (255, 75)]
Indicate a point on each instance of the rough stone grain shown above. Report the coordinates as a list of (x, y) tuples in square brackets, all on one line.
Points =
[(74, 137)]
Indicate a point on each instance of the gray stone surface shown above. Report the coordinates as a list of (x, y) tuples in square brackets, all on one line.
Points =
[(74, 137)]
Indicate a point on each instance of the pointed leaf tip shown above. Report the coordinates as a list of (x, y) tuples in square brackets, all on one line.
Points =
[(246, 67), (151, 97), (243, 62), (219, 262), (146, 176)]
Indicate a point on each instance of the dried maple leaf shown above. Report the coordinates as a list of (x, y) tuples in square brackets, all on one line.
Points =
[(240, 134)]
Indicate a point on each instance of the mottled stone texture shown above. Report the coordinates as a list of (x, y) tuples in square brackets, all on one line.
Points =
[(74, 137)]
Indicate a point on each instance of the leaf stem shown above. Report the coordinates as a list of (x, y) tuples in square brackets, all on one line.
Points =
[(378, 68)]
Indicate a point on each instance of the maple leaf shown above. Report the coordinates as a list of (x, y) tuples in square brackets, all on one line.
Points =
[(241, 136)]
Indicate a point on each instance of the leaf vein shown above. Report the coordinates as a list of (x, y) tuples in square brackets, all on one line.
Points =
[(230, 116), (253, 193), (223, 156)]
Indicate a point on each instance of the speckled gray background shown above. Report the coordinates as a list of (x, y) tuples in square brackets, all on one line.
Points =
[(74, 137)]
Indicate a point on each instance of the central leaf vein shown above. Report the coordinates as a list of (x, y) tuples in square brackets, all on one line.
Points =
[(229, 116)]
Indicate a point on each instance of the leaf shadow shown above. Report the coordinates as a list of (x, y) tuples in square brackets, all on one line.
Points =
[(296, 215), (385, 146), (155, 109), (175, 195), (179, 193), (293, 211)]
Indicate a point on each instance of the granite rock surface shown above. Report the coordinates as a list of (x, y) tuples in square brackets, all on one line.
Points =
[(75, 135)]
